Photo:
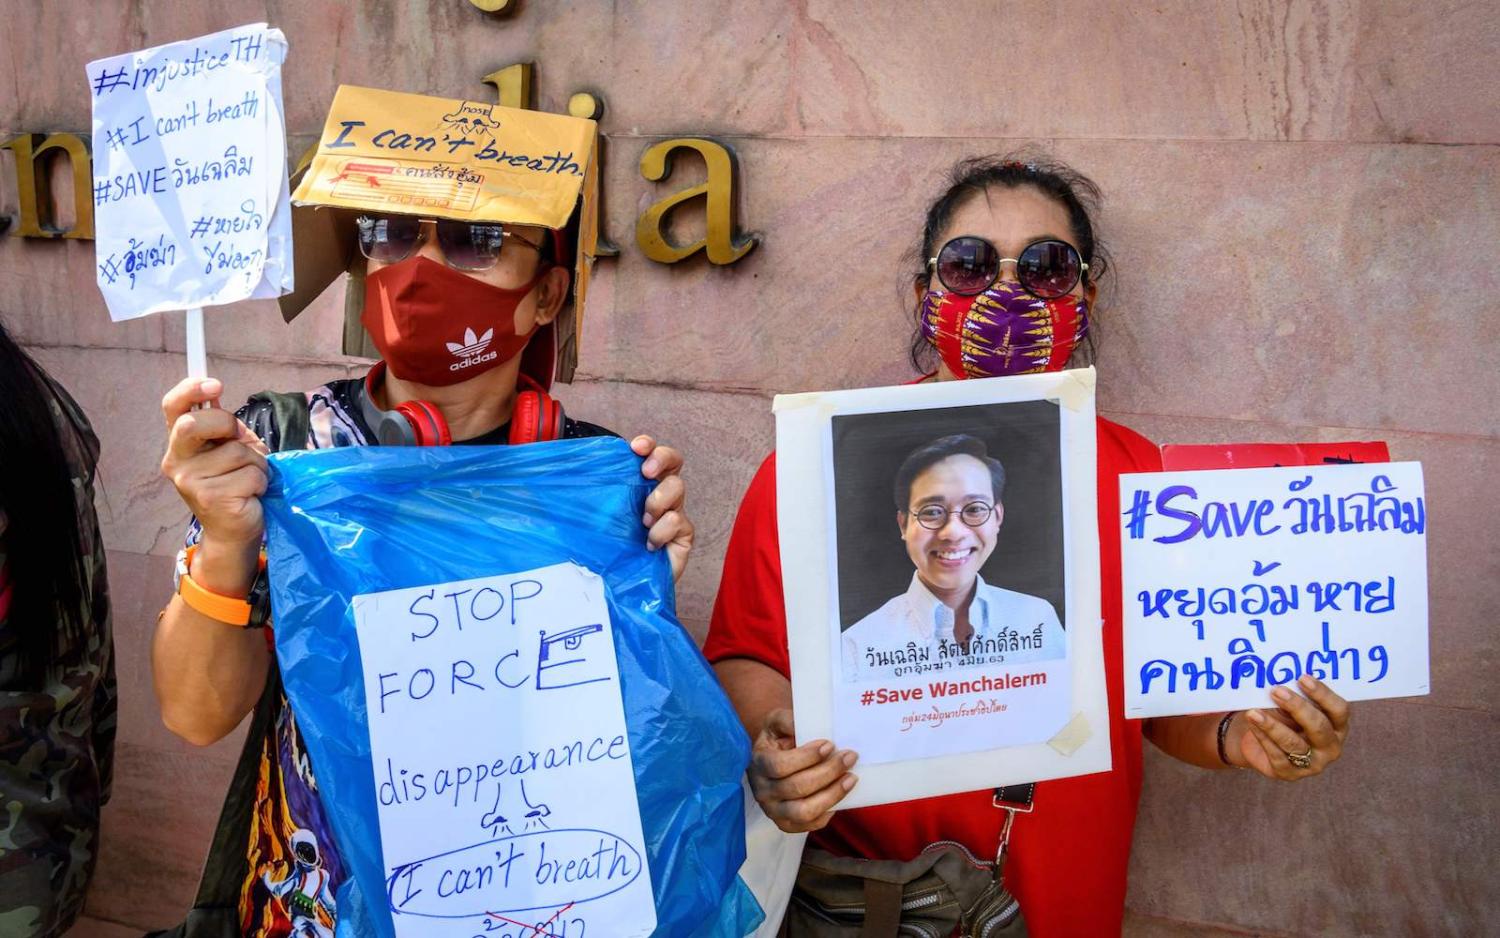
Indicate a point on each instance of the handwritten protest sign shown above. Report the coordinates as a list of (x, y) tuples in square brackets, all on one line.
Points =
[(1239, 580), (467, 160), (190, 185), (507, 798)]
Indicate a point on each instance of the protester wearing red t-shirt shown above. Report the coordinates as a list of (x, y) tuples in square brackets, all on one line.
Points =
[(1020, 237)]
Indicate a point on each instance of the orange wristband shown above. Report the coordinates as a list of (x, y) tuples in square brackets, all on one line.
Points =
[(217, 606)]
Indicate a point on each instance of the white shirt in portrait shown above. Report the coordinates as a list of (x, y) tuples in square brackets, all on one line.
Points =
[(915, 625)]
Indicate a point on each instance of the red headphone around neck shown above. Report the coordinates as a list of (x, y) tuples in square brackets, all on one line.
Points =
[(535, 418)]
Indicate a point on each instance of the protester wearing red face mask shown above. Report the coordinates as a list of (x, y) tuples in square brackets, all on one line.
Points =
[(463, 314), (1010, 266)]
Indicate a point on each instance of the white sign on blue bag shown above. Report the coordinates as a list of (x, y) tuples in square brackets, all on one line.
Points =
[(191, 204), (1236, 581), (503, 774)]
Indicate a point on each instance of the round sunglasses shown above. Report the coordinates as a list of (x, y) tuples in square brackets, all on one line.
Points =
[(469, 246), (1047, 269)]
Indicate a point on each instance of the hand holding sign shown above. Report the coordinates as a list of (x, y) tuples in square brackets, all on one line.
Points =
[(1300, 739), (217, 465), (798, 787), (190, 184)]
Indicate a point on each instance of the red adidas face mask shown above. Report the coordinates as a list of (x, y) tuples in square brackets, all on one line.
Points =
[(437, 326)]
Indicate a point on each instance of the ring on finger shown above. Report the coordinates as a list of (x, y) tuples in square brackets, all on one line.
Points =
[(1301, 760)]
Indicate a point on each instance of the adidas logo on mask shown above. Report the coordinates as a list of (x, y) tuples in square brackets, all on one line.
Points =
[(471, 352)]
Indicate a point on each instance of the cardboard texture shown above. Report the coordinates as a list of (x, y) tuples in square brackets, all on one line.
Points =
[(448, 158), (391, 152)]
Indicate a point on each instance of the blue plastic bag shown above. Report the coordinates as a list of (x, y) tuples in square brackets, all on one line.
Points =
[(360, 520)]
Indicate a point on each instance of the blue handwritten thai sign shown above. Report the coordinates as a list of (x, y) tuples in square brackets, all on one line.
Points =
[(506, 794), (1236, 581), (191, 204)]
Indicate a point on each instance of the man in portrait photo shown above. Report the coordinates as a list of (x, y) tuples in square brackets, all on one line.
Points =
[(949, 509)]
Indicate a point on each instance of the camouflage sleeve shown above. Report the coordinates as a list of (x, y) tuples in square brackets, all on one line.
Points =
[(56, 753), (82, 445), (106, 697)]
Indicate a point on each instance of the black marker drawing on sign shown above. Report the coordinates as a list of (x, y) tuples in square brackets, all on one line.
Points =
[(472, 118), (535, 816)]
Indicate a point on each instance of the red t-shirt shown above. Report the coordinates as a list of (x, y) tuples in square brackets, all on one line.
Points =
[(1068, 857)]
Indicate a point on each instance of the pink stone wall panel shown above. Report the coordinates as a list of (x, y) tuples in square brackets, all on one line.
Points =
[(1424, 72), (49, 296), (1138, 925), (1359, 851), (1260, 69), (1350, 263), (1257, 70), (254, 329), (121, 390), (1293, 262), (157, 829), (157, 826), (1299, 284), (648, 58)]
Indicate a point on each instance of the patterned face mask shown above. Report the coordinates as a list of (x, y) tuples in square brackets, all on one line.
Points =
[(1003, 331)]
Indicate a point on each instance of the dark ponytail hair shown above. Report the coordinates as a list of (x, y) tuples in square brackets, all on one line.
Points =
[(1075, 192), (44, 546)]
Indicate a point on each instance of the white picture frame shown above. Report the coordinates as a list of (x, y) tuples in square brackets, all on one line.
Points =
[(1070, 716)]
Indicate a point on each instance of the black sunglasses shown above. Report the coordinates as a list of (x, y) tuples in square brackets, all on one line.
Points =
[(471, 246), (1048, 268)]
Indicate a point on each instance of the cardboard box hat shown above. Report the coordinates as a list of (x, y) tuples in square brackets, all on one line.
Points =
[(389, 152)]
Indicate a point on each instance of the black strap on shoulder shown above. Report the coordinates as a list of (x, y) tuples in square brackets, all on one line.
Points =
[(287, 415)]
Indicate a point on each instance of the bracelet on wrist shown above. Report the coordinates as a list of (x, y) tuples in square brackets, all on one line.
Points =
[(1224, 731)]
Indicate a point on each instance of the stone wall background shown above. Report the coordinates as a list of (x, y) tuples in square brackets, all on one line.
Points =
[(1302, 201)]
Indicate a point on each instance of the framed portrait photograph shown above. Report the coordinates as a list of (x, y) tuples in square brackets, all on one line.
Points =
[(940, 562)]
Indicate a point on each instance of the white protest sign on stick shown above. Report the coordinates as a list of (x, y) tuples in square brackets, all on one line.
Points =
[(1236, 581), (503, 773), (191, 203)]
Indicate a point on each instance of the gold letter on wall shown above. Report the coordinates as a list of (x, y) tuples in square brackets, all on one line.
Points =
[(35, 189), (513, 85), (717, 190)]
